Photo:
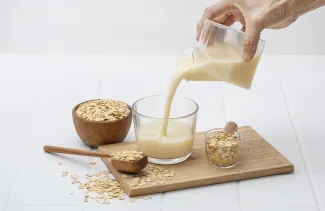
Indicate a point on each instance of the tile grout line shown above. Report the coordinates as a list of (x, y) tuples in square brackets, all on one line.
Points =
[(298, 141), (161, 80), (100, 83), (90, 159), (161, 201), (15, 173), (225, 118), (238, 195), (223, 99), (12, 182)]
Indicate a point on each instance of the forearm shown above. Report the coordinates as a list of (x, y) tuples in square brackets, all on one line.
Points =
[(314, 5)]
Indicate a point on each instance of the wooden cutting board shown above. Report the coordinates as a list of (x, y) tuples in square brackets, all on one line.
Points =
[(257, 158)]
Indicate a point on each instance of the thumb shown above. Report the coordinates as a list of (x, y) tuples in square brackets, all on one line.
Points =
[(251, 39)]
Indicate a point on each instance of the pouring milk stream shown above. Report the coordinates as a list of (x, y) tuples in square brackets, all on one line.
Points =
[(218, 62)]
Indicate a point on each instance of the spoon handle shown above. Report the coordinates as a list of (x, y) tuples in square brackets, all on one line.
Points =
[(231, 127), (71, 151)]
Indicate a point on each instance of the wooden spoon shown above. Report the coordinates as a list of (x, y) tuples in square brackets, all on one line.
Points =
[(120, 165)]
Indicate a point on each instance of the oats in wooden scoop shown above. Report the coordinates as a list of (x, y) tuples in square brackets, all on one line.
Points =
[(128, 155)]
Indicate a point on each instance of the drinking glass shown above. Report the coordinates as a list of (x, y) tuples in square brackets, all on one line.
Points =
[(148, 121)]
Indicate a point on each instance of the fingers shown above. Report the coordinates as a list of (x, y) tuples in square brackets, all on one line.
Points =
[(227, 19), (221, 18), (230, 21), (251, 39), (212, 12)]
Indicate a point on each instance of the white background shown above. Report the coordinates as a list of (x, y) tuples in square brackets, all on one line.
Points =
[(130, 26), (38, 92)]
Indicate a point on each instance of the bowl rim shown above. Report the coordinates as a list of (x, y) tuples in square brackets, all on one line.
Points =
[(74, 112), (161, 118)]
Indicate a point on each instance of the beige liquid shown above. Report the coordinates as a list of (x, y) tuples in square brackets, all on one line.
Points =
[(218, 62), (178, 141)]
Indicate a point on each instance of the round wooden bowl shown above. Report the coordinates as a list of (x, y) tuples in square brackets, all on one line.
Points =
[(95, 133)]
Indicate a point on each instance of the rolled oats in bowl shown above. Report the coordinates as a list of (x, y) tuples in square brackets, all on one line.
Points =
[(103, 110), (102, 121), (222, 148)]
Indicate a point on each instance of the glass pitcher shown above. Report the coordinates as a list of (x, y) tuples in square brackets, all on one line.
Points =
[(218, 57)]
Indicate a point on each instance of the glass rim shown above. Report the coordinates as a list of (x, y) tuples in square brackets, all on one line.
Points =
[(161, 118), (216, 129), (233, 29)]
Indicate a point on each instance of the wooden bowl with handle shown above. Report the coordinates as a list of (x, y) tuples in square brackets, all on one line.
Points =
[(96, 133)]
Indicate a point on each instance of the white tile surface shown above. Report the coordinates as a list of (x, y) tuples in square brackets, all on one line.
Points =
[(319, 184), (221, 196), (281, 208), (262, 107), (43, 208), (282, 190), (124, 205), (314, 155), (47, 120), (13, 135), (303, 82), (39, 181)]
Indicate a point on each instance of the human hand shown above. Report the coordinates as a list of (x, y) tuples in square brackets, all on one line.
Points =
[(256, 15)]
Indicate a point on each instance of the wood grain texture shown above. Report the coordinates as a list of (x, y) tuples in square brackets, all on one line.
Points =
[(257, 158)]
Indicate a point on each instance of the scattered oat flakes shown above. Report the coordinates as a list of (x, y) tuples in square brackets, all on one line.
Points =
[(92, 163), (74, 176), (60, 163), (132, 200), (146, 197), (101, 187), (64, 173), (151, 177)]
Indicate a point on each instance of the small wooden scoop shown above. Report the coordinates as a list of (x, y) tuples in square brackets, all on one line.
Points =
[(120, 165)]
